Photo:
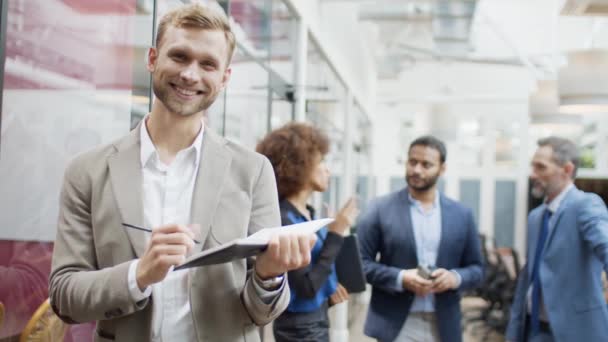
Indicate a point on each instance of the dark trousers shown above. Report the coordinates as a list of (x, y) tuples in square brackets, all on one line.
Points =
[(302, 326)]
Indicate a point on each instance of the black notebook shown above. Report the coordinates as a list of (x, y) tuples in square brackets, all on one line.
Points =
[(349, 267), (249, 246)]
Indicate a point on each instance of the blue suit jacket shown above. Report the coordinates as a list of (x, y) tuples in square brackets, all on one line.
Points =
[(386, 228), (573, 257)]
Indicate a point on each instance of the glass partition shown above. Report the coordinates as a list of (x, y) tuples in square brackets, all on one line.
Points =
[(259, 95), (282, 62), (74, 77), (325, 107), (362, 157)]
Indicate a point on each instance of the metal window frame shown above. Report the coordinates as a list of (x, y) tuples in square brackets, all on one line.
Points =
[(3, 15)]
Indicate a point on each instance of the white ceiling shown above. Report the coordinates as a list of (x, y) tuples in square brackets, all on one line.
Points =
[(528, 33)]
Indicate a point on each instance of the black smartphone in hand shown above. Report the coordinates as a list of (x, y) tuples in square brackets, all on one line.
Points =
[(425, 272)]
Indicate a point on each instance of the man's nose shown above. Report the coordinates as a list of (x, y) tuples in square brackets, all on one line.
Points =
[(190, 73), (533, 176)]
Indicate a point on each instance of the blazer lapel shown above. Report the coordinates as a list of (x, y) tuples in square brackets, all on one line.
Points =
[(213, 168), (557, 216), (535, 224), (126, 179), (446, 234), (553, 227), (406, 234)]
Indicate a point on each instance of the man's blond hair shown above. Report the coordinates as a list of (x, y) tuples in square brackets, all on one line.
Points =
[(197, 16)]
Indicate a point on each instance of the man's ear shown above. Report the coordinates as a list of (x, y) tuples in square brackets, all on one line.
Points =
[(442, 169), (569, 169), (152, 57), (226, 77)]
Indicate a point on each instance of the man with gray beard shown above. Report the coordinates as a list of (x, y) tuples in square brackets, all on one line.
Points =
[(559, 292), (429, 252)]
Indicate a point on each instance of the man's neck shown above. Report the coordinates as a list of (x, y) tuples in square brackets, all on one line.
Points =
[(172, 132), (554, 195), (426, 197), (299, 200)]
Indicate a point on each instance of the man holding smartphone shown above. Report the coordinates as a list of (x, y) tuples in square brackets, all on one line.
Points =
[(429, 251)]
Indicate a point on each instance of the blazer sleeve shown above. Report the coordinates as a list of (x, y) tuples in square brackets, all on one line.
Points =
[(593, 224), (471, 269), (369, 233), (307, 281), (264, 213), (78, 290)]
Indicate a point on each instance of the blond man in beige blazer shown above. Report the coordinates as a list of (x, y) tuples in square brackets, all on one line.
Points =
[(168, 172)]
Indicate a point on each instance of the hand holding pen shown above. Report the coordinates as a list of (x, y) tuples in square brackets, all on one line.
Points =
[(126, 225), (168, 246)]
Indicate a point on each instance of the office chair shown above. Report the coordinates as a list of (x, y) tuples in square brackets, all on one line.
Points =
[(497, 290), (44, 325)]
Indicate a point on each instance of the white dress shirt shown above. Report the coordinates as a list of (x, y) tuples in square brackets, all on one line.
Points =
[(167, 199)]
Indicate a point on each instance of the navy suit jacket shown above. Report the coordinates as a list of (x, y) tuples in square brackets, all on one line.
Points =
[(575, 252), (386, 228)]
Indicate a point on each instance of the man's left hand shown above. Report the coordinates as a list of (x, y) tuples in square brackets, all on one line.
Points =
[(285, 252), (443, 280)]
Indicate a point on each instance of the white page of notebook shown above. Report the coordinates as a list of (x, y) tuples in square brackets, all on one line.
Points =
[(308, 227)]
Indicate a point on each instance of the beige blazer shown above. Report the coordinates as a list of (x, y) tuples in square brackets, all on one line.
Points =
[(235, 195)]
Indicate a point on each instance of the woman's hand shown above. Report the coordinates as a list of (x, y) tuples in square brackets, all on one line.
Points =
[(341, 295), (345, 218)]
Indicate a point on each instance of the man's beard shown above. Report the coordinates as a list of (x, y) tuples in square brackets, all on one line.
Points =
[(163, 95), (538, 191), (427, 184), (541, 191)]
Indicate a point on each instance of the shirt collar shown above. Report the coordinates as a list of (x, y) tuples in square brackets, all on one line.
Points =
[(416, 202), (285, 204), (148, 149), (554, 205)]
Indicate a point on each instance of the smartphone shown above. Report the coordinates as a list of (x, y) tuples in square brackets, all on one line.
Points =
[(425, 272)]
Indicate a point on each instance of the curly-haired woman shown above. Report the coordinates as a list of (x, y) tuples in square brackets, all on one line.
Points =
[(297, 152)]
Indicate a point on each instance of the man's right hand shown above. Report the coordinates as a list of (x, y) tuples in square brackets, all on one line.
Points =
[(415, 283), (168, 246)]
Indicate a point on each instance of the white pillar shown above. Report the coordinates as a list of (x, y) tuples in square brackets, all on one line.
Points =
[(339, 313), (521, 199), (488, 178)]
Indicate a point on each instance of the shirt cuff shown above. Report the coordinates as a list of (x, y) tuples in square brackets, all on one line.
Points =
[(267, 296), (134, 290), (399, 281), (458, 278)]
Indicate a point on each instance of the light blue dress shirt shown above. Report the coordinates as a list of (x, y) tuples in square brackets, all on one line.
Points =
[(427, 233)]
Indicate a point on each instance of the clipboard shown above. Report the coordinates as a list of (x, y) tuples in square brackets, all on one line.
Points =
[(250, 246), (349, 268)]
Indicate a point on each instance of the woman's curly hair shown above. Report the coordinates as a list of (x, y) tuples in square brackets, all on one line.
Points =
[(292, 151)]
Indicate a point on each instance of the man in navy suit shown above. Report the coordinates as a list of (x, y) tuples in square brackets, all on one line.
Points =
[(559, 292), (418, 226)]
